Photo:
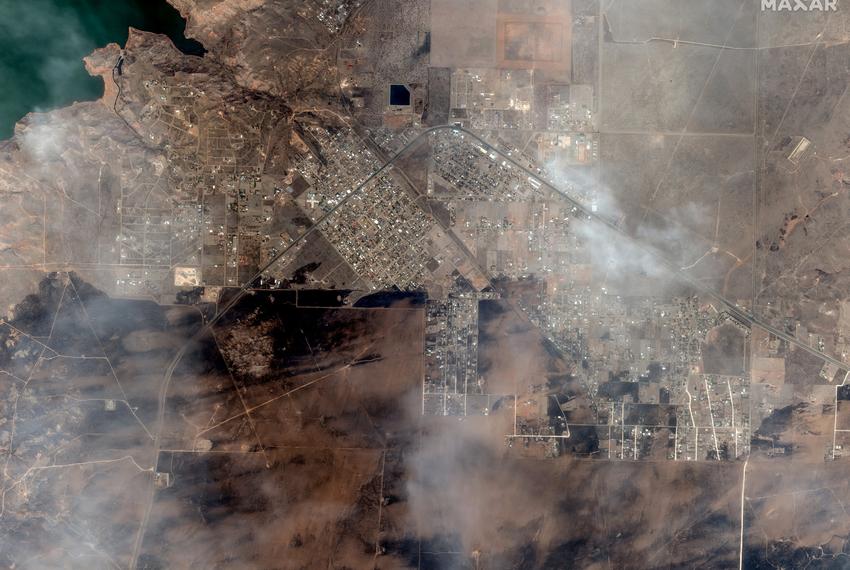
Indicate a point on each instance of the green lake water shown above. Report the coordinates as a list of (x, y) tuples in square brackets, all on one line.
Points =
[(42, 43)]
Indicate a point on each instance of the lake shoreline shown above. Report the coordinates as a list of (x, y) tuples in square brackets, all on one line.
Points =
[(46, 44)]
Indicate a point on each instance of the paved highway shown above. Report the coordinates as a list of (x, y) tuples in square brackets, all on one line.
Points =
[(738, 313), (205, 330), (730, 307)]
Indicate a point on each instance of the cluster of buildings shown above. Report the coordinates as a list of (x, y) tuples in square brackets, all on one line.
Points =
[(334, 13), (639, 360), (651, 391), (453, 385), (335, 163), (462, 169), (380, 234), (517, 99)]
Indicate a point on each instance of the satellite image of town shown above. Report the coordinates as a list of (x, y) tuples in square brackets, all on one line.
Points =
[(424, 284)]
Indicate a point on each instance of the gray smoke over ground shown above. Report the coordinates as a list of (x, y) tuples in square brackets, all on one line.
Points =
[(648, 244), (466, 496), (469, 492), (42, 141)]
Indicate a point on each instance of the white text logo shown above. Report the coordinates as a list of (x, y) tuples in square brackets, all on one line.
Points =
[(799, 5)]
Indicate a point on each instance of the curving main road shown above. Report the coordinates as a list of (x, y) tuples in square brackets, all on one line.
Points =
[(738, 313)]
